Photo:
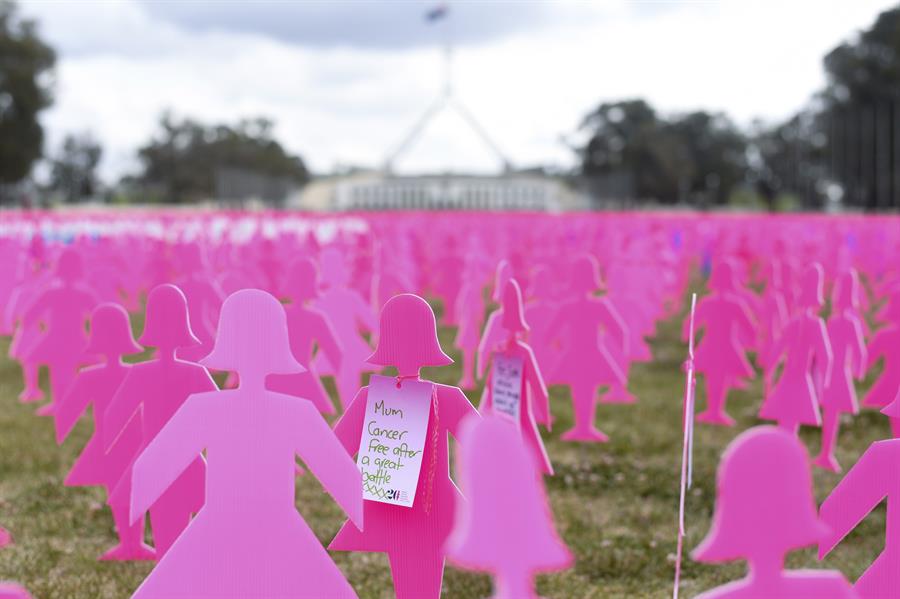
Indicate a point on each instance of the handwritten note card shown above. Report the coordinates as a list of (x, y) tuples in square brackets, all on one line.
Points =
[(506, 386), (393, 439)]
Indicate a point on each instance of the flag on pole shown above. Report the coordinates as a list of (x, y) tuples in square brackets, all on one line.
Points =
[(437, 13)]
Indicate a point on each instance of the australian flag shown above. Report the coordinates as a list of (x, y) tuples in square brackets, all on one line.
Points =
[(437, 13)]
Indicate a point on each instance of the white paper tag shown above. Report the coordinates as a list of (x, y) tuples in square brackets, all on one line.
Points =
[(393, 439), (506, 386)]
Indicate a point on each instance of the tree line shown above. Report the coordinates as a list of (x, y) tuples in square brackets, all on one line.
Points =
[(843, 147)]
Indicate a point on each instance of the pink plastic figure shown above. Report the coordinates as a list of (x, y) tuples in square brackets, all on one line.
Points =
[(725, 320), (804, 340), (586, 363), (64, 307), (492, 335), (152, 392), (886, 344), (204, 298), (764, 509), (307, 327), (9, 590), (413, 537), (868, 482), (846, 336), (470, 316), (540, 312), (110, 338), (248, 540), (348, 313), (27, 335), (531, 399), (506, 526), (5, 538)]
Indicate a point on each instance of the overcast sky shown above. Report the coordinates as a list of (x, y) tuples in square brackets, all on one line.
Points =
[(344, 81)]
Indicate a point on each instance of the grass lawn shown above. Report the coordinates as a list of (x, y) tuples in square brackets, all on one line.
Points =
[(615, 504)]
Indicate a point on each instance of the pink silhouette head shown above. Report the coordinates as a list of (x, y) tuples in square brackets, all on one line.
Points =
[(167, 324), (585, 275), (303, 281), (254, 346), (764, 502), (845, 295), (504, 273), (408, 338), (70, 267), (722, 278), (513, 318), (111, 332), (811, 295), (334, 267)]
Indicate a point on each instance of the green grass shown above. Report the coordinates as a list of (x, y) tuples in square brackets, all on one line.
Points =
[(615, 504)]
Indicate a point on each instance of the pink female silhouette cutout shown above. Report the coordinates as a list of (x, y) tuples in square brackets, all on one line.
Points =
[(805, 346), (773, 316), (725, 321), (307, 328), (586, 363), (204, 298), (540, 312), (845, 334), (872, 478), (5, 538), (64, 308), (348, 313), (534, 401), (492, 335), (248, 540), (27, 335), (886, 344), (151, 393), (764, 509), (469, 316), (413, 537), (505, 527), (97, 385)]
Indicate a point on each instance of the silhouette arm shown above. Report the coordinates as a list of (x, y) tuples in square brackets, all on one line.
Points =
[(72, 406), (823, 350), (327, 340), (615, 324), (455, 408), (179, 443), (322, 452), (349, 428), (487, 343), (859, 350), (540, 397), (365, 315), (864, 486), (120, 410)]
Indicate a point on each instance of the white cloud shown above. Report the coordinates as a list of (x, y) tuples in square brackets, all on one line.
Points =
[(346, 103)]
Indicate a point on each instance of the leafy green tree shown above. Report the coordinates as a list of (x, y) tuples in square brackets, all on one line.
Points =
[(185, 157), (697, 156), (26, 64), (73, 170)]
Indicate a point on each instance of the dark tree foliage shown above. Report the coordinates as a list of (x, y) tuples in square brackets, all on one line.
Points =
[(185, 156), (26, 63), (699, 155), (73, 169)]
